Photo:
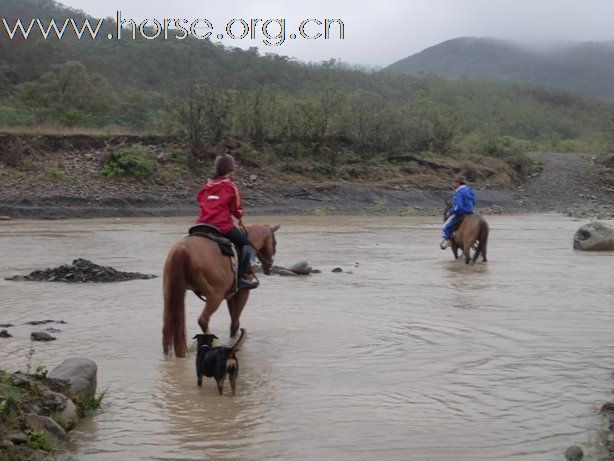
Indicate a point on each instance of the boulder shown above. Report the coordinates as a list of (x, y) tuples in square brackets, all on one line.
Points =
[(5, 334), (47, 426), (80, 373), (595, 236), (18, 438), (574, 453), (41, 336), (69, 416), (301, 268), (286, 273), (607, 409)]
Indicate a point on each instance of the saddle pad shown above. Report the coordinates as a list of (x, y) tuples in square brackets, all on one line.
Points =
[(224, 244), (204, 229)]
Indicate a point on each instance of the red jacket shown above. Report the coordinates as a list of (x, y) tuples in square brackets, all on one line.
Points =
[(219, 200)]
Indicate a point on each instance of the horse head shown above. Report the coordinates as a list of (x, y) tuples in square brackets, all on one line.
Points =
[(263, 238), (446, 210)]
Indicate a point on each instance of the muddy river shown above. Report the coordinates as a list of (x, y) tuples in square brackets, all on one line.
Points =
[(407, 354)]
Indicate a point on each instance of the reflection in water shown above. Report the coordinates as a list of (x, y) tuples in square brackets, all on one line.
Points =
[(412, 356), (224, 424), (466, 282)]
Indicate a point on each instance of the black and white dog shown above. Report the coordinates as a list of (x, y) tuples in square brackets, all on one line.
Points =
[(215, 361)]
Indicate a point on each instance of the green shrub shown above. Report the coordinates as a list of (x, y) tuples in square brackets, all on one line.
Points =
[(86, 407), (55, 174), (37, 440), (14, 116), (134, 161)]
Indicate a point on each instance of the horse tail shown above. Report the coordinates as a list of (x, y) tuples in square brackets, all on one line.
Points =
[(175, 285), (483, 239)]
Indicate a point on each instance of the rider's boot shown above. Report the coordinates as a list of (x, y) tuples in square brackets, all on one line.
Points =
[(445, 244), (245, 268)]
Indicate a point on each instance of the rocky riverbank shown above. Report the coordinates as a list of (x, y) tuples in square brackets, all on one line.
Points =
[(56, 177), (39, 409)]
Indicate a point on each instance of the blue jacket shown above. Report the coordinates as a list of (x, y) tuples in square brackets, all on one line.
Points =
[(464, 201)]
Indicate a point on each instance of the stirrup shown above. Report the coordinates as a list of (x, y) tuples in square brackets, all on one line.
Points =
[(248, 284)]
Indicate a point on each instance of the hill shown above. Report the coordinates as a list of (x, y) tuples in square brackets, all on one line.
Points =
[(585, 68), (329, 114)]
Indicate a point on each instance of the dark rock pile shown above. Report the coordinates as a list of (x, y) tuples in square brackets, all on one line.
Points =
[(81, 271)]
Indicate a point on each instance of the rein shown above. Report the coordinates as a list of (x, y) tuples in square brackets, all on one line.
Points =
[(261, 257)]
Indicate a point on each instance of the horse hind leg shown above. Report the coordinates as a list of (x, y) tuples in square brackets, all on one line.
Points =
[(210, 307), (235, 307), (476, 253), (467, 253), (483, 245)]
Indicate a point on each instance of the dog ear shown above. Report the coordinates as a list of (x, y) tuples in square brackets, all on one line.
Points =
[(215, 337), (197, 336)]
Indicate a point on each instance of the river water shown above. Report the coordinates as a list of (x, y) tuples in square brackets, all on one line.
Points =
[(412, 355)]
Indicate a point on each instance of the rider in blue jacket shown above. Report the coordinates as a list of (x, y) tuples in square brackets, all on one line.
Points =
[(463, 204)]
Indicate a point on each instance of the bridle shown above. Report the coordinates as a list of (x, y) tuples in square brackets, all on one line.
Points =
[(265, 260)]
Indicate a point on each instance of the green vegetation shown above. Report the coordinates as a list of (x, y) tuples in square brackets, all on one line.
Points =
[(309, 118), (38, 441), (24, 393), (86, 407), (135, 161)]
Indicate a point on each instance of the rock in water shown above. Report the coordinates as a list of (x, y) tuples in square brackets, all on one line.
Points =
[(301, 268), (80, 271), (42, 336), (81, 373), (595, 236), (574, 453), (5, 334)]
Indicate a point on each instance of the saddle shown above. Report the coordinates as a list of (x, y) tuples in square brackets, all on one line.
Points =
[(212, 233), (458, 223), (227, 248)]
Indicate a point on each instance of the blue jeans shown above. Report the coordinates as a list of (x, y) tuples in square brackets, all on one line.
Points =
[(449, 224)]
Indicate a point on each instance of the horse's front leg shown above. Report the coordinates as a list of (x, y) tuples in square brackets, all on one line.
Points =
[(235, 307), (213, 302), (454, 248)]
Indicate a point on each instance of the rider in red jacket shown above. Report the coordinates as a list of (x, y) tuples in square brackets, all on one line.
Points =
[(219, 201)]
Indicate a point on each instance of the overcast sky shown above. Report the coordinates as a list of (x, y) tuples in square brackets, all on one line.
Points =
[(377, 33)]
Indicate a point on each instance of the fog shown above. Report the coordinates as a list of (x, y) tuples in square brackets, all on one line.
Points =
[(379, 33)]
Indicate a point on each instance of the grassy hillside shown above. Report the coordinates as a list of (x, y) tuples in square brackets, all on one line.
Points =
[(327, 113), (584, 68)]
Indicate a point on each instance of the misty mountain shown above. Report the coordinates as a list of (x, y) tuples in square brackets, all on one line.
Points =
[(141, 85), (586, 68)]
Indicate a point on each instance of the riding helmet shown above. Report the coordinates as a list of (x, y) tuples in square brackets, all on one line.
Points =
[(223, 164)]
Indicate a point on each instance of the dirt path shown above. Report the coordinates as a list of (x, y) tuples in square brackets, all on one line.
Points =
[(568, 183)]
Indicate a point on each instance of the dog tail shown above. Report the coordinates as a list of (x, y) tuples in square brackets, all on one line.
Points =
[(239, 343)]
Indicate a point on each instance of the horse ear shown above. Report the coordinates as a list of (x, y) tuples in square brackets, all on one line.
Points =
[(448, 203), (275, 228)]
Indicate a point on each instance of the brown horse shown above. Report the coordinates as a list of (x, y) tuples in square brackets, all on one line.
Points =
[(197, 264), (472, 233)]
